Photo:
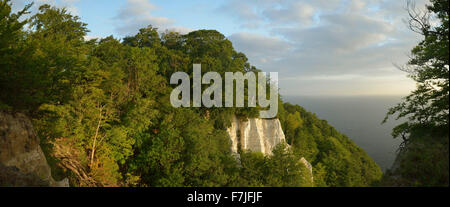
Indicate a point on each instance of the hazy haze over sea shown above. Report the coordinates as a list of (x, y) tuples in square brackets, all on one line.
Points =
[(358, 117)]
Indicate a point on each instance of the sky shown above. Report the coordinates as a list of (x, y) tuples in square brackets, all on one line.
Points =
[(318, 47)]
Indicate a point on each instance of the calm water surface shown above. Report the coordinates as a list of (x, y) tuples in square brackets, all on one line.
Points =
[(360, 119)]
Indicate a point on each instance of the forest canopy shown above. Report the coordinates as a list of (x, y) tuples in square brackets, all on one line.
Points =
[(102, 111)]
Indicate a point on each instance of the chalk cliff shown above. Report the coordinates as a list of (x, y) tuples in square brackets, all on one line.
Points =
[(258, 135), (20, 153)]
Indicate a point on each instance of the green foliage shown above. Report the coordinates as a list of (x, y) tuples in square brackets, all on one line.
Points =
[(10, 52), (282, 169), (10, 27), (103, 107), (423, 156), (429, 67), (184, 149), (41, 63), (424, 162)]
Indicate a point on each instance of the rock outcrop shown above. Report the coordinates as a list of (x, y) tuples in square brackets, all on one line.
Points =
[(309, 167), (258, 135), (20, 153)]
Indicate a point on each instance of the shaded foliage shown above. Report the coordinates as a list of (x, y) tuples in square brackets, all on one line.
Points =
[(423, 155)]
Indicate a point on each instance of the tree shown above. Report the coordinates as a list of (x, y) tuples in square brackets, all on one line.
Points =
[(293, 122), (11, 51), (102, 107), (147, 37), (428, 104), (422, 158), (286, 170), (281, 169), (10, 27)]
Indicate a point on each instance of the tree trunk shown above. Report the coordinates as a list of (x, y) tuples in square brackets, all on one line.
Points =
[(95, 137)]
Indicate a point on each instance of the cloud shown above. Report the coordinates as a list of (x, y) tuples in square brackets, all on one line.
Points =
[(389, 85), (295, 13), (317, 46), (179, 29), (323, 47), (347, 32), (259, 48), (89, 37), (136, 14), (262, 13), (243, 12)]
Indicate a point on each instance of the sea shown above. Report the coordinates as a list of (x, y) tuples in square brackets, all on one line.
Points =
[(358, 117)]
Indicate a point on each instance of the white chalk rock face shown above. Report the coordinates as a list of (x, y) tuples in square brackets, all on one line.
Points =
[(256, 135), (233, 132)]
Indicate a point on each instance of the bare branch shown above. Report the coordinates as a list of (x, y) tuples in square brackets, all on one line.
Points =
[(419, 20)]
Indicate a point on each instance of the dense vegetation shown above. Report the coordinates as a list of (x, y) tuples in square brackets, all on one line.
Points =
[(101, 108), (423, 158)]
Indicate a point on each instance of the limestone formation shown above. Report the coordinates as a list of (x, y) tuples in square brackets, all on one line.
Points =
[(258, 135), (308, 166)]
